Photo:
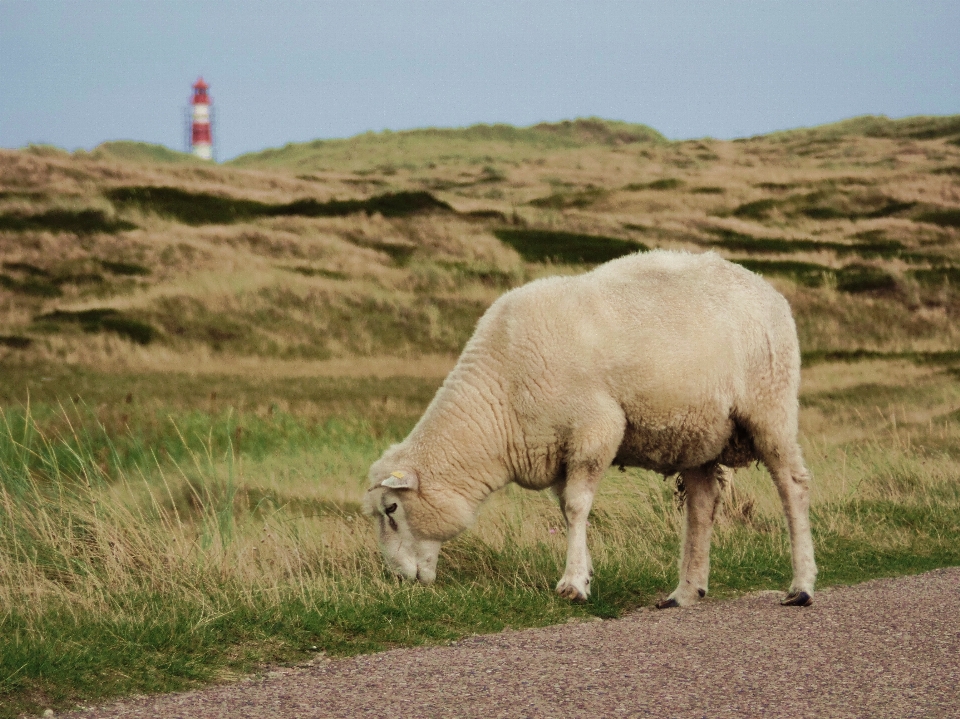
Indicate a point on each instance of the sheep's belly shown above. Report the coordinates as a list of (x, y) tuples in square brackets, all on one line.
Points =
[(682, 445)]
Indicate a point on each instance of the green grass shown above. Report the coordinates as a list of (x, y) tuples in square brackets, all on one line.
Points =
[(918, 128), (129, 151), (204, 533), (566, 247), (159, 530), (475, 145)]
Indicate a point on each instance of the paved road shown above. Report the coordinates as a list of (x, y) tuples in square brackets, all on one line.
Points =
[(887, 648)]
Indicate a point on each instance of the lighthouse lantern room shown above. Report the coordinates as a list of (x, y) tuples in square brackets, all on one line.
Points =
[(201, 143)]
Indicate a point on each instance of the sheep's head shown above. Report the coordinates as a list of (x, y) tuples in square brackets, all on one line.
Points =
[(393, 502)]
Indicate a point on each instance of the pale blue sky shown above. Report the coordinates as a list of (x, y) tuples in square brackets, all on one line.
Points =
[(75, 73)]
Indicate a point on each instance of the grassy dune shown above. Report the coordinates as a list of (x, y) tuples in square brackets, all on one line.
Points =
[(201, 361)]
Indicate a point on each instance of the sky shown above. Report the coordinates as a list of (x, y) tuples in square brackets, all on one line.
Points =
[(75, 73)]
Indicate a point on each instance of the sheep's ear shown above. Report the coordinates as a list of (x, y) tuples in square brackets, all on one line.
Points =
[(401, 480)]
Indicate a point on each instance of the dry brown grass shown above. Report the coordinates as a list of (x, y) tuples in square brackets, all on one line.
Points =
[(301, 288)]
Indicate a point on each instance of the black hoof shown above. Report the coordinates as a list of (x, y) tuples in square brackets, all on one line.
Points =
[(668, 603), (797, 599), (702, 593)]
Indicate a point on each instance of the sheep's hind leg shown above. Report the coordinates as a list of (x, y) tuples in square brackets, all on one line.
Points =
[(793, 485), (702, 490)]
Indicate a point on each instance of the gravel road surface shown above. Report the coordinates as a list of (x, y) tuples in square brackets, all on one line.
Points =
[(886, 648)]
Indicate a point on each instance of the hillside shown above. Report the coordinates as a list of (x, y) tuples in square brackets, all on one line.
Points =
[(394, 244), (388, 152), (201, 362)]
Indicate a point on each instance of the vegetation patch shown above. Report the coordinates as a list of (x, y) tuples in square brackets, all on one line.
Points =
[(484, 274), (916, 128), (130, 151), (708, 190), (776, 186), (195, 208), (857, 278), (666, 183), (192, 208), (945, 217), (29, 279), (807, 274), (937, 277), (399, 254), (565, 200), (318, 272), (741, 242), (34, 285), (486, 216), (756, 210), (17, 342), (949, 170), (854, 278), (100, 320), (391, 204), (567, 247), (128, 269), (825, 205), (79, 222), (171, 550), (874, 247), (815, 357)]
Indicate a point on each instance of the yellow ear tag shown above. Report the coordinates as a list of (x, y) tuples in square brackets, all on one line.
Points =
[(398, 475)]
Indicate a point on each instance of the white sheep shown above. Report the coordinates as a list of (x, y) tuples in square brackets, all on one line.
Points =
[(671, 361)]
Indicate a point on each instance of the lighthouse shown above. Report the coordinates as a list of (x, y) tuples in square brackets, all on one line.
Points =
[(201, 143)]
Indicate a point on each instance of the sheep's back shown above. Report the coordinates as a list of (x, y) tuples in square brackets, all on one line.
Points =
[(680, 342)]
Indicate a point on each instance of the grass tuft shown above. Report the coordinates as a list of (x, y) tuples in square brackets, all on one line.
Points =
[(756, 210), (80, 222), (195, 208), (105, 319), (943, 217), (664, 184), (567, 247), (565, 200)]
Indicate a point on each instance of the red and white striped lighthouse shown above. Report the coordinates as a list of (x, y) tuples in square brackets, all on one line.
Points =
[(201, 143)]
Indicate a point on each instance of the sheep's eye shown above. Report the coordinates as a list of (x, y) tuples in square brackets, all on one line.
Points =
[(391, 509)]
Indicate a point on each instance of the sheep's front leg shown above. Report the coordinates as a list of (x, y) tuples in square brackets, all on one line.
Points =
[(590, 451), (702, 489), (576, 499)]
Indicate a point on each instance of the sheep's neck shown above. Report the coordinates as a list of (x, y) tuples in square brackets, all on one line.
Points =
[(464, 431)]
